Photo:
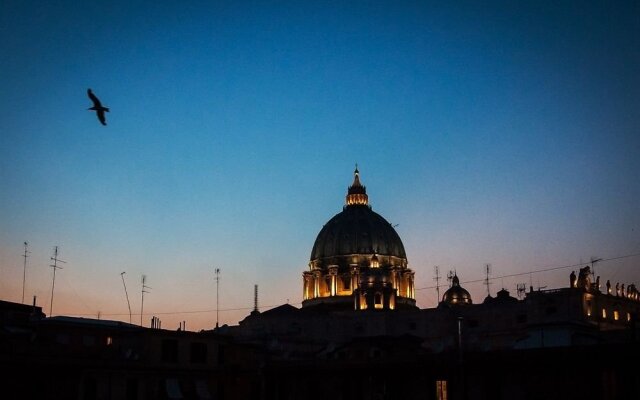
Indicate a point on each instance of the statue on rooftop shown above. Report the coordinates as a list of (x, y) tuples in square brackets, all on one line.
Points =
[(584, 278)]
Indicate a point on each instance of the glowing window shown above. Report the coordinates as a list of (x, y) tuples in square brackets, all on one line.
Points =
[(109, 340), (377, 299), (628, 317), (604, 313), (616, 315), (363, 303), (441, 390)]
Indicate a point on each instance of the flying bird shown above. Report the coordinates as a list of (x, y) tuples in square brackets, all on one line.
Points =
[(97, 107)]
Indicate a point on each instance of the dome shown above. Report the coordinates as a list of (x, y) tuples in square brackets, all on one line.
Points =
[(357, 230), (502, 296), (358, 260), (456, 294)]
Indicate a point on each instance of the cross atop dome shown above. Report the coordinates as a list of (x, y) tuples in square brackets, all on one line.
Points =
[(357, 193)]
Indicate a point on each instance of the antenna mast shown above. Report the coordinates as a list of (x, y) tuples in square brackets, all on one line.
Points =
[(521, 288), (594, 260), (450, 276), (487, 269), (437, 279), (217, 272), (55, 266), (255, 298), (24, 270), (126, 294), (144, 280)]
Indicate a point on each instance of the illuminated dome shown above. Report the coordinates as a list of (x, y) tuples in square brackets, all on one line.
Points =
[(456, 294), (357, 230), (355, 244)]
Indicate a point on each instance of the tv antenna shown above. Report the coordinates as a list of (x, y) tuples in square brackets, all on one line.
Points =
[(594, 260), (24, 269), (144, 286), (521, 289), (255, 298), (217, 272), (55, 266), (487, 270), (437, 279), (450, 276), (126, 294)]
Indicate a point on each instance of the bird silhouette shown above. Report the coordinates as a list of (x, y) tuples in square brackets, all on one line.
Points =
[(97, 107)]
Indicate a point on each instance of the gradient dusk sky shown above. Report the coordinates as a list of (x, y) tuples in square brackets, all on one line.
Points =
[(489, 132)]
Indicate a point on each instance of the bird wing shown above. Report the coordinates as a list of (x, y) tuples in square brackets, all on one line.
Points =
[(93, 98), (101, 117)]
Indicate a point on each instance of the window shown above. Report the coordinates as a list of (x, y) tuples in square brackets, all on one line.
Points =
[(221, 355), (604, 313), (441, 390), (88, 340), (90, 389), (170, 350), (377, 299), (346, 282), (616, 315), (62, 338), (132, 389), (109, 341), (198, 353)]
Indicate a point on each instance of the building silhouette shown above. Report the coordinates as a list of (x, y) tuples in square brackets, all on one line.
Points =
[(358, 335)]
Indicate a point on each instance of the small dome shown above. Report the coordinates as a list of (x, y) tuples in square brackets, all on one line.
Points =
[(456, 294), (502, 296)]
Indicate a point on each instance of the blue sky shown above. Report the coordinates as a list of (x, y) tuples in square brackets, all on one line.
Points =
[(490, 133)]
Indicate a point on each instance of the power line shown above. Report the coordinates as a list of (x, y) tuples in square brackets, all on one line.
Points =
[(536, 271), (423, 288)]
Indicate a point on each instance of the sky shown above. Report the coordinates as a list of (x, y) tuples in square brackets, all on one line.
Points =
[(505, 133)]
